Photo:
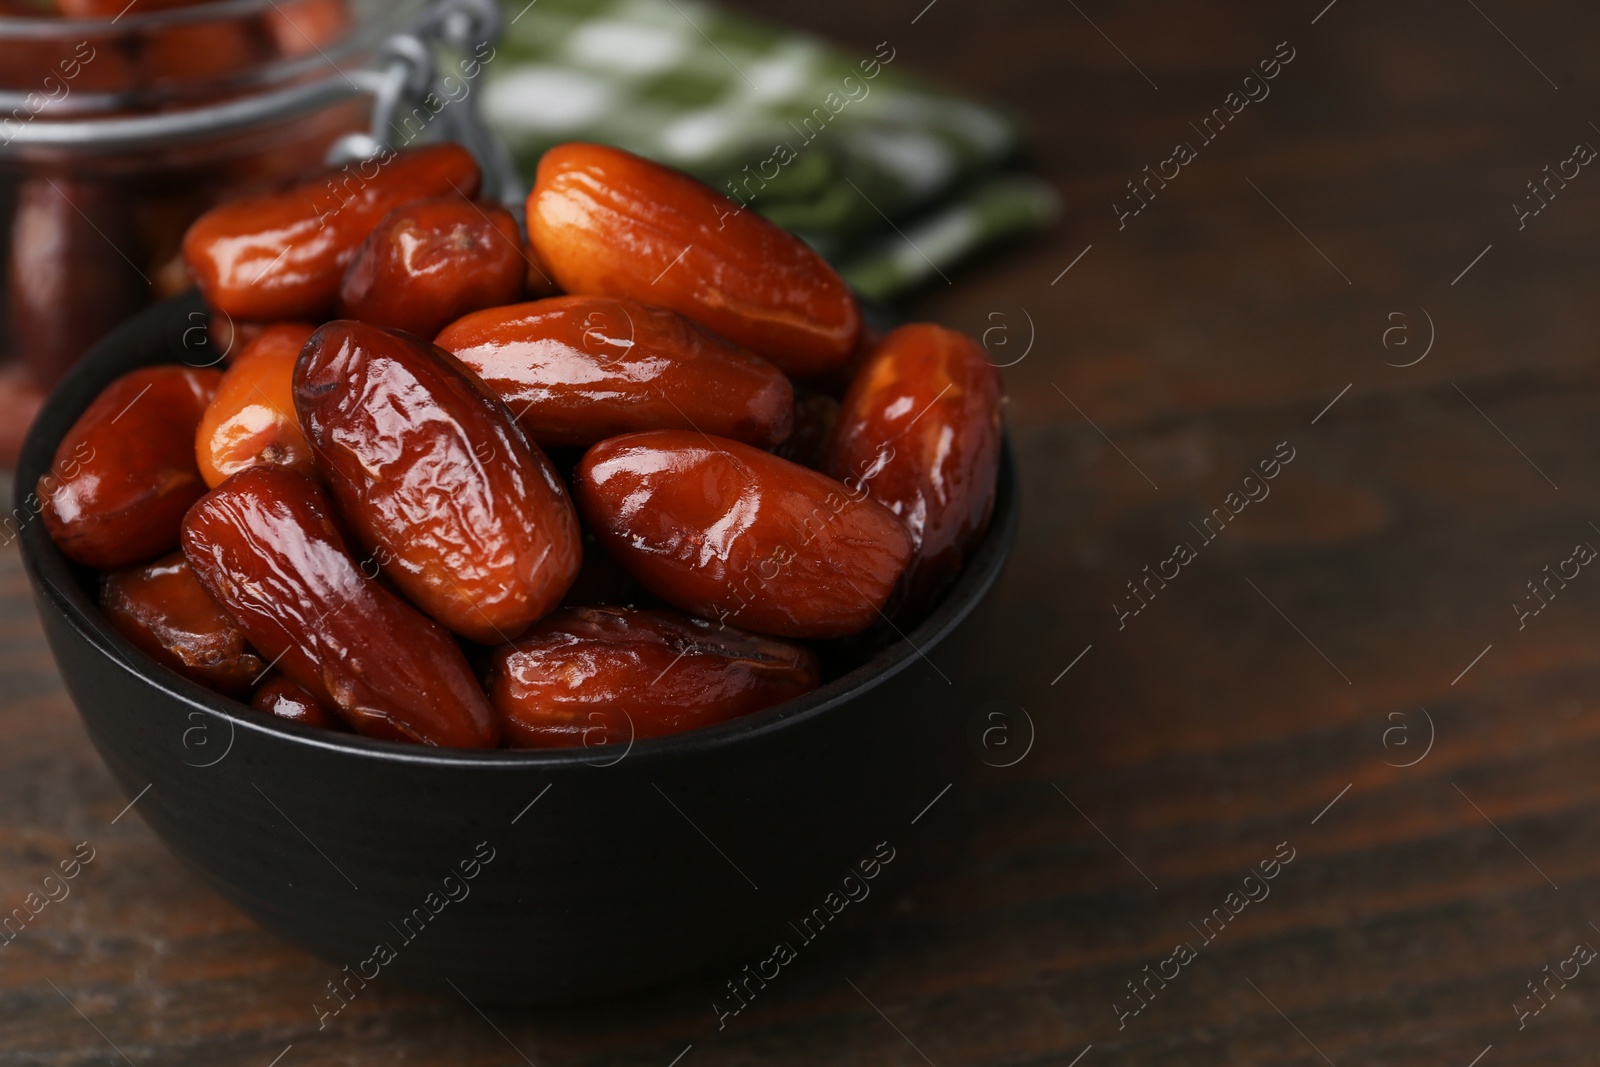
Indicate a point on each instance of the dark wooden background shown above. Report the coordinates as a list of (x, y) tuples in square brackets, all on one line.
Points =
[(1289, 665)]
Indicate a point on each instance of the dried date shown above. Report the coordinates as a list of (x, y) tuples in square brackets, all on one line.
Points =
[(163, 609), (438, 484), (265, 547), (724, 530), (283, 255), (125, 472), (578, 369), (430, 262), (605, 676), (251, 420), (920, 428), (609, 223)]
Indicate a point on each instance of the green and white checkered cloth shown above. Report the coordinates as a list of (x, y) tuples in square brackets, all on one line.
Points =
[(892, 180)]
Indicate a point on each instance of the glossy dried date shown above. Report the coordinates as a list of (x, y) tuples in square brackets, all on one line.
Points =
[(298, 27), (608, 223), (456, 507), (125, 472), (283, 255), (265, 547), (431, 261), (288, 699), (606, 676), (191, 52), (724, 530), (110, 9), (163, 609), (920, 428), (251, 420), (578, 369)]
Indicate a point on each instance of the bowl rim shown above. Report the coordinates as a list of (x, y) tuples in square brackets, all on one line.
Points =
[(56, 584)]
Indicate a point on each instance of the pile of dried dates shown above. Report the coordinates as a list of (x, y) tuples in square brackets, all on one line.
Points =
[(639, 504)]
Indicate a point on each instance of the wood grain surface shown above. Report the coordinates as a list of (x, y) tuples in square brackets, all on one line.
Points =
[(1266, 700)]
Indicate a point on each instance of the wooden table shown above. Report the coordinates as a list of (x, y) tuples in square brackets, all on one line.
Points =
[(1340, 674)]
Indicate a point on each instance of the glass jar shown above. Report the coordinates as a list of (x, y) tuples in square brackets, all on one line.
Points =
[(118, 128)]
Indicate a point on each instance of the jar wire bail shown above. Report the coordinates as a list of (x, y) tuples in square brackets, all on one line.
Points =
[(409, 81)]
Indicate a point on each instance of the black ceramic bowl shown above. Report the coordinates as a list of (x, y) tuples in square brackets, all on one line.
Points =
[(593, 870)]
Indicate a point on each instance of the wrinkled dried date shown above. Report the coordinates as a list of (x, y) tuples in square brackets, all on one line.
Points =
[(920, 427), (283, 255), (456, 507), (578, 369), (430, 262), (606, 676), (251, 420), (724, 530), (608, 223), (133, 471), (163, 609), (265, 547)]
